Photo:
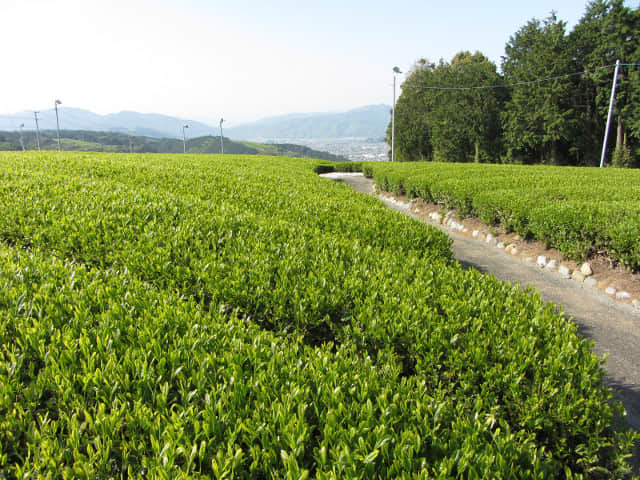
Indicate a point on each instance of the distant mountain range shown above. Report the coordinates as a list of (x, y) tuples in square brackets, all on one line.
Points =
[(365, 122), (131, 123)]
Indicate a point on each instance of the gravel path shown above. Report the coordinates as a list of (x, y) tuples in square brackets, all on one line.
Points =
[(614, 327)]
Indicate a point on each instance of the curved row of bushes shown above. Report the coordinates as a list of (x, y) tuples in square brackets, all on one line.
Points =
[(579, 211), (208, 317)]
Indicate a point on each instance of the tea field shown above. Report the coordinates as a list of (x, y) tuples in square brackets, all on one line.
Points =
[(580, 211), (199, 316)]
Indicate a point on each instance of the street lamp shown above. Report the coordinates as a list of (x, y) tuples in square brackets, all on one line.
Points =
[(396, 70), (21, 142), (221, 146), (184, 139), (58, 102), (35, 114)]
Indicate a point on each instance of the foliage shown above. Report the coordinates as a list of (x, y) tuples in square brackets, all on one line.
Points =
[(171, 316), (90, 141), (537, 118), (549, 111), (579, 211)]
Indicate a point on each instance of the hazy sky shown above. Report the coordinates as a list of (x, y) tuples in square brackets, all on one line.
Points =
[(239, 59)]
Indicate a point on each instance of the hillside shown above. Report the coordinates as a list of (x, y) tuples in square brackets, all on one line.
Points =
[(235, 317), (89, 141)]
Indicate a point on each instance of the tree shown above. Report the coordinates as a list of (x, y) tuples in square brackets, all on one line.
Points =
[(449, 125), (412, 134), (607, 32), (465, 122), (538, 119)]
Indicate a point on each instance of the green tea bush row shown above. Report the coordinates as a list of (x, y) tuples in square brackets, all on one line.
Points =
[(208, 317), (579, 211)]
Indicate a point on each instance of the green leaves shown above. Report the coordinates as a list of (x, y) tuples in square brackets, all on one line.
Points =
[(220, 320), (579, 211)]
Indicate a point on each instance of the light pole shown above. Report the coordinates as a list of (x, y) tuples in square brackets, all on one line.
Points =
[(221, 146), (396, 70), (58, 102), (35, 114), (21, 142), (184, 138)]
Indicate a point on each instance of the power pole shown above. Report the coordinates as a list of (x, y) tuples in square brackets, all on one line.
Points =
[(35, 114), (611, 103)]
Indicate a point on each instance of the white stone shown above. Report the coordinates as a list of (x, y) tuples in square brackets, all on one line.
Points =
[(564, 270), (636, 303), (437, 217), (578, 276), (542, 261), (517, 238), (450, 213), (623, 295), (465, 230), (552, 265), (591, 282), (610, 291), (500, 245), (586, 269), (475, 234), (514, 251)]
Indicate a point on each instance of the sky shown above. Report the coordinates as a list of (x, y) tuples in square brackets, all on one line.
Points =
[(239, 59)]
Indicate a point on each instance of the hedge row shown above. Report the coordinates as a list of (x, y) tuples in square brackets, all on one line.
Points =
[(207, 317)]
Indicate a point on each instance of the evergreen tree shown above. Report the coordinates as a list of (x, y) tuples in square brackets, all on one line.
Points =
[(412, 135), (610, 31), (538, 119), (465, 123)]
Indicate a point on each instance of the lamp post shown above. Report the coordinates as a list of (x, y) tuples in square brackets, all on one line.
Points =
[(184, 138), (35, 114), (58, 102), (21, 142), (221, 145), (396, 70)]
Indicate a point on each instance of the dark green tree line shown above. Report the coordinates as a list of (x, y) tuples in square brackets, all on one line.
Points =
[(558, 121)]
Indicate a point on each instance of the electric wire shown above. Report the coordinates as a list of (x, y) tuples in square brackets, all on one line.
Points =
[(517, 84)]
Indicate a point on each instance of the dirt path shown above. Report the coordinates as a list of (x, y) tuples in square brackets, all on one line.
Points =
[(614, 327)]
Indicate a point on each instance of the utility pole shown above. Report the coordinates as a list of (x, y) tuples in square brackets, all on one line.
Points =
[(35, 114), (130, 145), (611, 103), (21, 142), (58, 102), (221, 146)]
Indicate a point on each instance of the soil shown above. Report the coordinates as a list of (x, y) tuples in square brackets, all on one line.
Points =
[(613, 325)]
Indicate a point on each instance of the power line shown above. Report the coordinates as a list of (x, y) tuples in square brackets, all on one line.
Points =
[(507, 85)]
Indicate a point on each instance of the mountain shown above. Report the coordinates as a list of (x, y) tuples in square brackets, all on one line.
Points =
[(365, 122), (131, 123)]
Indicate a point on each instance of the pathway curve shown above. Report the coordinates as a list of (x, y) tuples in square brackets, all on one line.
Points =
[(614, 327)]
